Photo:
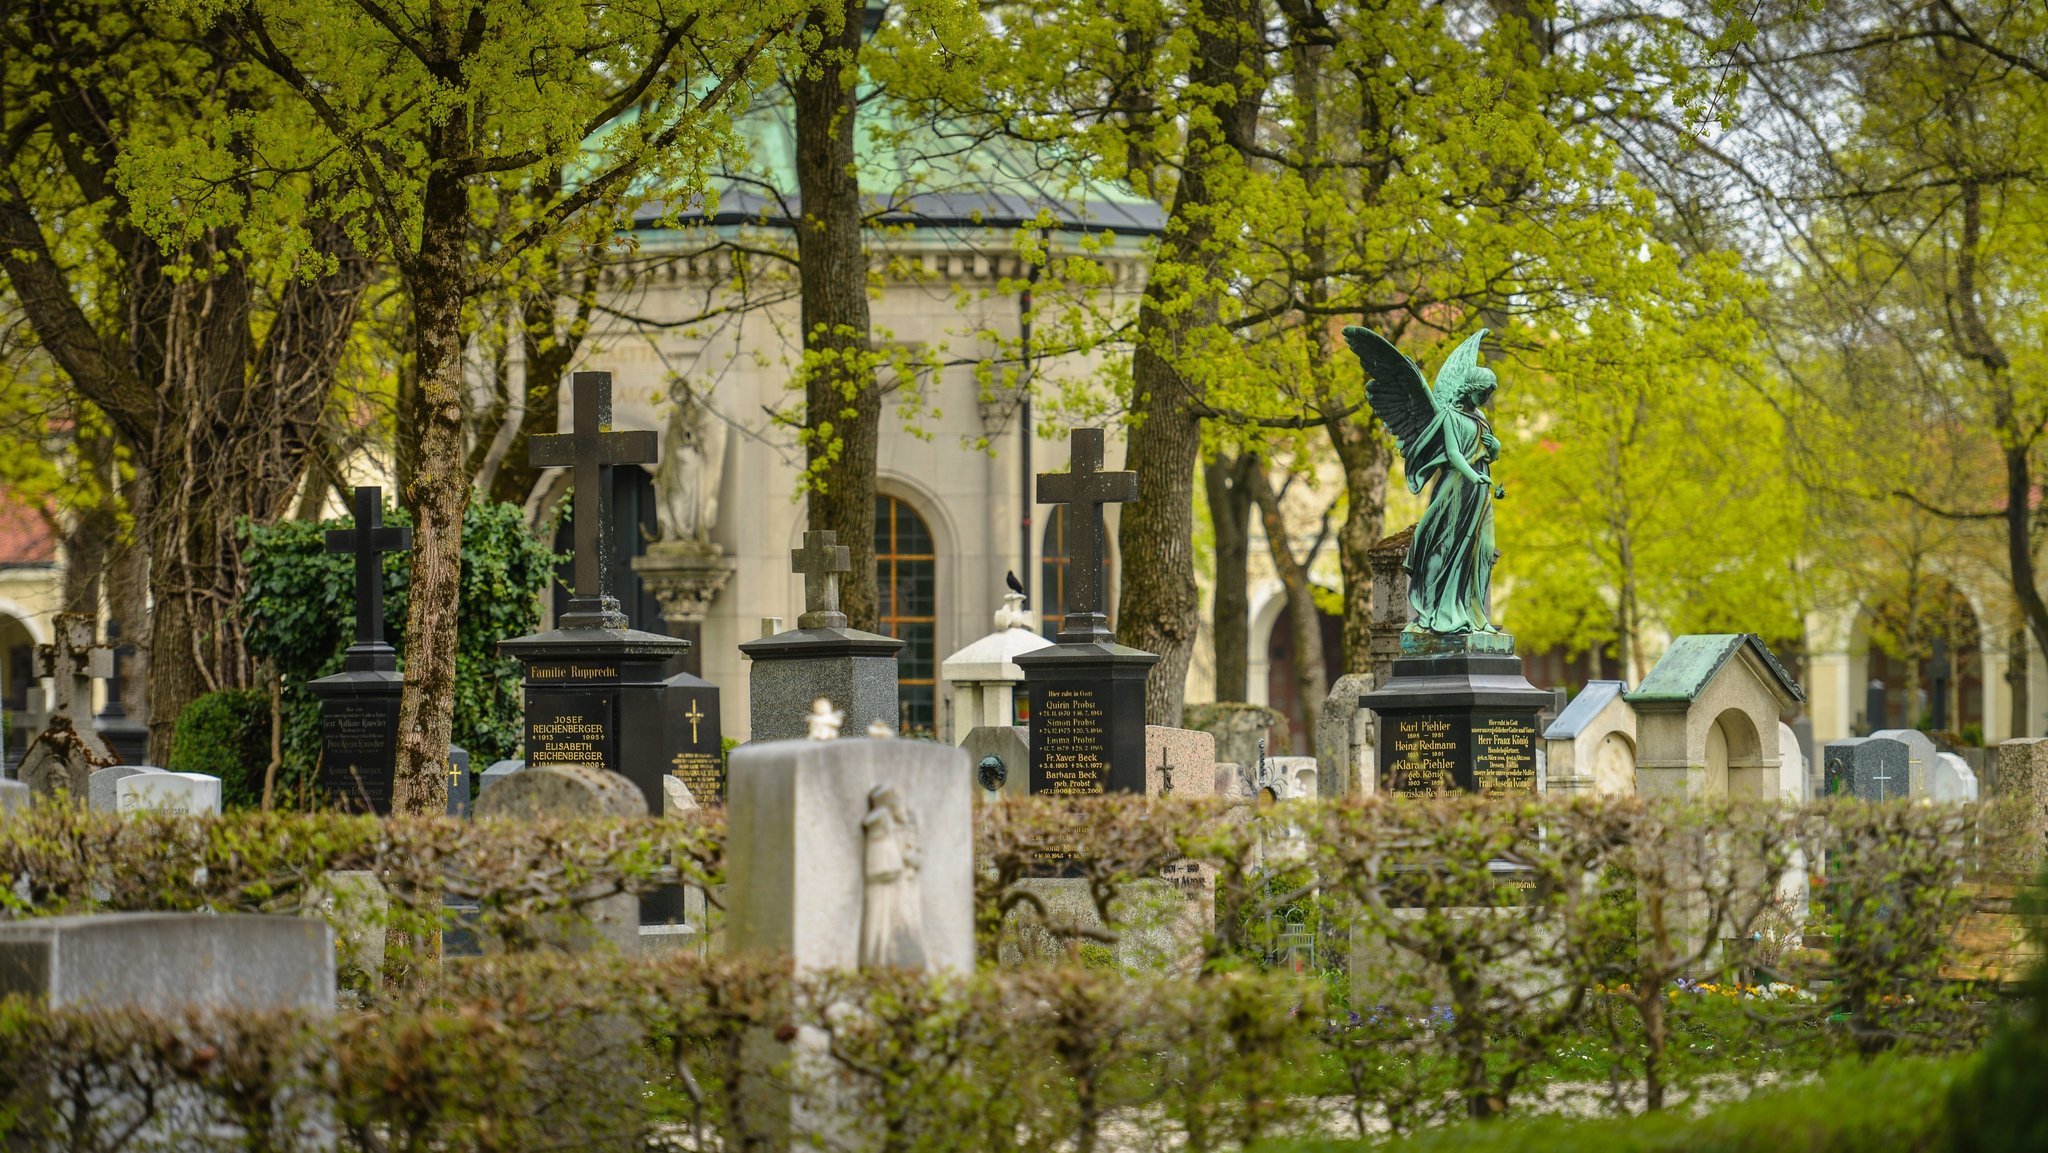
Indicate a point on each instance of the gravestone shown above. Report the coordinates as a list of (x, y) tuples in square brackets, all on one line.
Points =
[(820, 657), (498, 771), (2021, 778), (460, 793), (170, 963), (57, 760), (1179, 762), (597, 691), (359, 704), (984, 676), (1792, 775), (570, 791), (1290, 778), (14, 797), (999, 756), (73, 659), (1241, 730), (1920, 755), (1869, 768), (102, 796), (1591, 746), (1952, 780), (1344, 738), (1462, 719), (1087, 691), (185, 794), (852, 853)]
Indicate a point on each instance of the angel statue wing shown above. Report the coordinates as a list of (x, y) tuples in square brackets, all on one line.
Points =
[(1451, 374), (1401, 398)]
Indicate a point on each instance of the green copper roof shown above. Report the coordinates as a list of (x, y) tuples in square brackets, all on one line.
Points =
[(920, 172), (1692, 661)]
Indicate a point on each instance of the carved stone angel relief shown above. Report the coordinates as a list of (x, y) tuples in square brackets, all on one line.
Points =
[(892, 904)]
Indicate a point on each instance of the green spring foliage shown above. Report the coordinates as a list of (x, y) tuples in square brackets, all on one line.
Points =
[(299, 609)]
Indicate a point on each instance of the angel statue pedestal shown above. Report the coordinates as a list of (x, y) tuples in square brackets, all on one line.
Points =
[(1457, 715)]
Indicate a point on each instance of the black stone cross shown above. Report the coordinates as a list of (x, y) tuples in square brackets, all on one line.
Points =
[(367, 542), (1084, 489), (821, 560), (591, 449), (1938, 673)]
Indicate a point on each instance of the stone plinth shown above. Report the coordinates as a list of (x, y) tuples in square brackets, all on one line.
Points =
[(558, 791), (985, 674), (1344, 738), (1000, 759), (854, 670), (1087, 717), (1458, 723), (798, 827), (170, 962), (359, 737)]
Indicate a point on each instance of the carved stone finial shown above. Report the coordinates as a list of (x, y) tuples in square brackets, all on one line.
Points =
[(1013, 614), (825, 720)]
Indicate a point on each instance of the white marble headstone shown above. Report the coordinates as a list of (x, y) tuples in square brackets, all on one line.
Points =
[(188, 794), (1792, 780), (1952, 779), (1920, 754)]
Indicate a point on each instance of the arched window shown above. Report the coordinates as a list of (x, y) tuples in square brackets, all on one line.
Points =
[(1055, 560), (906, 592), (1052, 573)]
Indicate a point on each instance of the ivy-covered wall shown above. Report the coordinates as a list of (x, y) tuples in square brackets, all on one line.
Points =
[(299, 613)]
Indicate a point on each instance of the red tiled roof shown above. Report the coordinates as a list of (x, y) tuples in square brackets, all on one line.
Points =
[(25, 536)]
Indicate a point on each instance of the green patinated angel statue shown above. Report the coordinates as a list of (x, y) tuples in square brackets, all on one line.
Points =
[(1444, 438)]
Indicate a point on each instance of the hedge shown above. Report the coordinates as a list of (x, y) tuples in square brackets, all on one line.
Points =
[(1899, 1105)]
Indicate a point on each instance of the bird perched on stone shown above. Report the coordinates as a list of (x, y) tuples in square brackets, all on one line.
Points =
[(1016, 586)]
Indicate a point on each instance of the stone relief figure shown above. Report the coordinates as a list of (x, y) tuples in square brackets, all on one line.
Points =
[(892, 905), (692, 460), (1445, 440)]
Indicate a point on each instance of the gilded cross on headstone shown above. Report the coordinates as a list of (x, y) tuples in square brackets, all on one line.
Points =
[(590, 449), (695, 715), (367, 542), (74, 658), (821, 560), (1084, 489)]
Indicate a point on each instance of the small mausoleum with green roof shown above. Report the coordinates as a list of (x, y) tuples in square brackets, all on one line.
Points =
[(1707, 718)]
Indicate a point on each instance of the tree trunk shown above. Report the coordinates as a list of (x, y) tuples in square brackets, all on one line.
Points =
[(1159, 609), (438, 493), (842, 405), (1311, 681), (1230, 510), (1363, 453)]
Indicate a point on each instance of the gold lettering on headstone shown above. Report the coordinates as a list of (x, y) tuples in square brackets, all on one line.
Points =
[(1425, 756), (1071, 740), (1503, 756)]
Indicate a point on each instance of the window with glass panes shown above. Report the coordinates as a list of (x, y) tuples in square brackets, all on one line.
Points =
[(1053, 560), (906, 591)]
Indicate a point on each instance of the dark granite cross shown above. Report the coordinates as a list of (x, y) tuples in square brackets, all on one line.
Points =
[(821, 560), (591, 449), (1084, 489), (368, 541)]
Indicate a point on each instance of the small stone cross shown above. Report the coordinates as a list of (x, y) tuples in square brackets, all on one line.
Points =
[(367, 541), (1882, 778), (821, 560), (590, 450), (1084, 489), (74, 659)]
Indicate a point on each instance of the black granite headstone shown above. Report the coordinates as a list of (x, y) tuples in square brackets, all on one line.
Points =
[(460, 793), (1458, 723), (698, 741), (1868, 768), (359, 704), (1087, 692)]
